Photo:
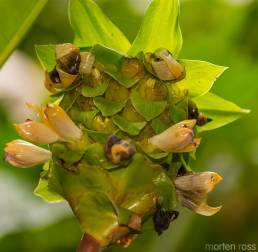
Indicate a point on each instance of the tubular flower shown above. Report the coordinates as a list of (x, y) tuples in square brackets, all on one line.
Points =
[(22, 154), (163, 65), (36, 132), (61, 123), (178, 139), (192, 191), (56, 126)]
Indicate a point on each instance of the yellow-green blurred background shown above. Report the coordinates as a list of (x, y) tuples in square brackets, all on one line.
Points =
[(224, 32)]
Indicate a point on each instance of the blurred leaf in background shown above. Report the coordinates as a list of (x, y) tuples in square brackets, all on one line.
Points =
[(16, 19)]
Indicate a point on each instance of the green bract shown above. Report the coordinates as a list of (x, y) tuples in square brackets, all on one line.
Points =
[(92, 27), (132, 128), (96, 91), (25, 13), (219, 110), (200, 76), (108, 108), (160, 29), (46, 55), (148, 109)]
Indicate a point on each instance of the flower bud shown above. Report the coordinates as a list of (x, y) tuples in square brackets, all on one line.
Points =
[(36, 132), (166, 67), (61, 123), (87, 62), (192, 191), (22, 154), (178, 139)]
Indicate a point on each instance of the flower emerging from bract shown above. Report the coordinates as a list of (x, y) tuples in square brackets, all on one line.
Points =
[(22, 154), (36, 132), (56, 126), (178, 139)]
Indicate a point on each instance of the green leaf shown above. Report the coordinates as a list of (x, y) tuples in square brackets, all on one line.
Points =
[(200, 76), (16, 19), (132, 128), (99, 136), (221, 111), (96, 214), (94, 155), (134, 180), (179, 111), (85, 117), (158, 125), (141, 183), (148, 109), (157, 156), (160, 29), (108, 108), (91, 26), (45, 192), (48, 186), (96, 91), (124, 215), (46, 56), (112, 62), (166, 190)]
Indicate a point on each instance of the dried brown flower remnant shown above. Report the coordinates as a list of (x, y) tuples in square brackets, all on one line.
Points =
[(118, 150)]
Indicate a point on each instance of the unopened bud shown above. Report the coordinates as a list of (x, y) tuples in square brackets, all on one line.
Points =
[(178, 139), (61, 123), (166, 67), (36, 132), (22, 154)]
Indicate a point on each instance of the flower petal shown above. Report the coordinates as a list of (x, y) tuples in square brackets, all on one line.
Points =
[(61, 123), (199, 182), (36, 132), (22, 154), (192, 191), (178, 139)]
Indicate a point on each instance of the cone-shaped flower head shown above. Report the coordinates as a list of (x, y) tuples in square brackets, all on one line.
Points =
[(36, 132), (61, 123), (178, 139), (22, 154), (192, 191)]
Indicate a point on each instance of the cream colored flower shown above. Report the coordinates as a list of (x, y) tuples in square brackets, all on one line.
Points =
[(22, 154), (178, 139), (56, 126)]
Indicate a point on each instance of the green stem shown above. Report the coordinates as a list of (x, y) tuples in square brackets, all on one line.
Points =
[(186, 166)]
